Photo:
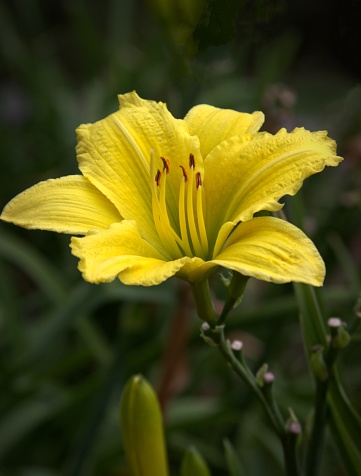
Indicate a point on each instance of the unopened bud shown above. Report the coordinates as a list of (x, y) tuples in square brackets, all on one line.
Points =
[(339, 336), (334, 322), (260, 375), (205, 326), (268, 378), (142, 429), (293, 426), (342, 339), (237, 345), (318, 364)]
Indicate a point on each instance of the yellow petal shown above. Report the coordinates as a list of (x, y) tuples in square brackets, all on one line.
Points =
[(213, 125), (249, 173), (114, 154), (66, 205), (121, 252), (271, 166), (271, 249), (222, 176)]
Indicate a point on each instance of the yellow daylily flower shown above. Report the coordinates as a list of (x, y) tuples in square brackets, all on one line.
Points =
[(159, 196)]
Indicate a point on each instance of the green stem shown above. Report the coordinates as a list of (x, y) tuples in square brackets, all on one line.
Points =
[(289, 446), (315, 444), (215, 334), (204, 305), (236, 290), (245, 373), (288, 440)]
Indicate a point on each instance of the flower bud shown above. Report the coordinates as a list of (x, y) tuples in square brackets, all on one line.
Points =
[(318, 364), (142, 429), (260, 375), (293, 426), (340, 338)]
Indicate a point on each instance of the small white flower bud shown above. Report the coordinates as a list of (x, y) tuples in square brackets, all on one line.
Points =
[(236, 345)]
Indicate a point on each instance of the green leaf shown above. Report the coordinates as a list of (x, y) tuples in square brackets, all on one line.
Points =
[(234, 464), (193, 464)]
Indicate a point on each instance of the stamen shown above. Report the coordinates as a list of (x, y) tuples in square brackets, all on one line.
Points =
[(192, 162), (166, 165), (185, 175), (182, 215), (191, 240), (160, 216), (198, 180), (200, 216), (157, 177), (190, 215)]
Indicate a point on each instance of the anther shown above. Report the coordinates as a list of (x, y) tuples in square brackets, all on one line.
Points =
[(198, 180), (192, 162), (185, 175), (166, 165), (157, 177)]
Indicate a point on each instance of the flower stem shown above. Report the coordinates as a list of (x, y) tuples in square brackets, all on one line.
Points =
[(315, 444), (244, 372), (204, 305), (236, 289), (288, 440), (215, 336)]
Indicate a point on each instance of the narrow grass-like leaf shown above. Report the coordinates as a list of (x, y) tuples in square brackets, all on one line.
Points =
[(345, 261), (234, 465), (10, 312), (193, 464), (26, 416), (27, 258)]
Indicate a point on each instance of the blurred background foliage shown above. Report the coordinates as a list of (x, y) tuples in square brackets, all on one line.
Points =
[(66, 346)]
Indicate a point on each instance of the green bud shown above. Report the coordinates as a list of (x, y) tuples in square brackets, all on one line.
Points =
[(293, 426), (260, 375), (237, 285), (318, 364), (193, 464), (340, 338), (142, 429)]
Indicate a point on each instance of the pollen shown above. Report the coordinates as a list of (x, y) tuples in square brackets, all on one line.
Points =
[(166, 165), (198, 180), (185, 175), (157, 177), (192, 162)]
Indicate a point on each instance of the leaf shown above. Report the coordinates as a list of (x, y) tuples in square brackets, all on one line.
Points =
[(234, 464), (193, 464)]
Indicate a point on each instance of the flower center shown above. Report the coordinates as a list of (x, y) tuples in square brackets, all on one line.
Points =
[(191, 239)]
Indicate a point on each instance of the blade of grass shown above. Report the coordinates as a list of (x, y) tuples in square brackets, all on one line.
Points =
[(27, 258)]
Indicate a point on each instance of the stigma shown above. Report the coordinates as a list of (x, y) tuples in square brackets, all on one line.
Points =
[(184, 234)]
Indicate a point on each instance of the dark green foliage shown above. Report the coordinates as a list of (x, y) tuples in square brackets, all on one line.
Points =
[(67, 347)]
